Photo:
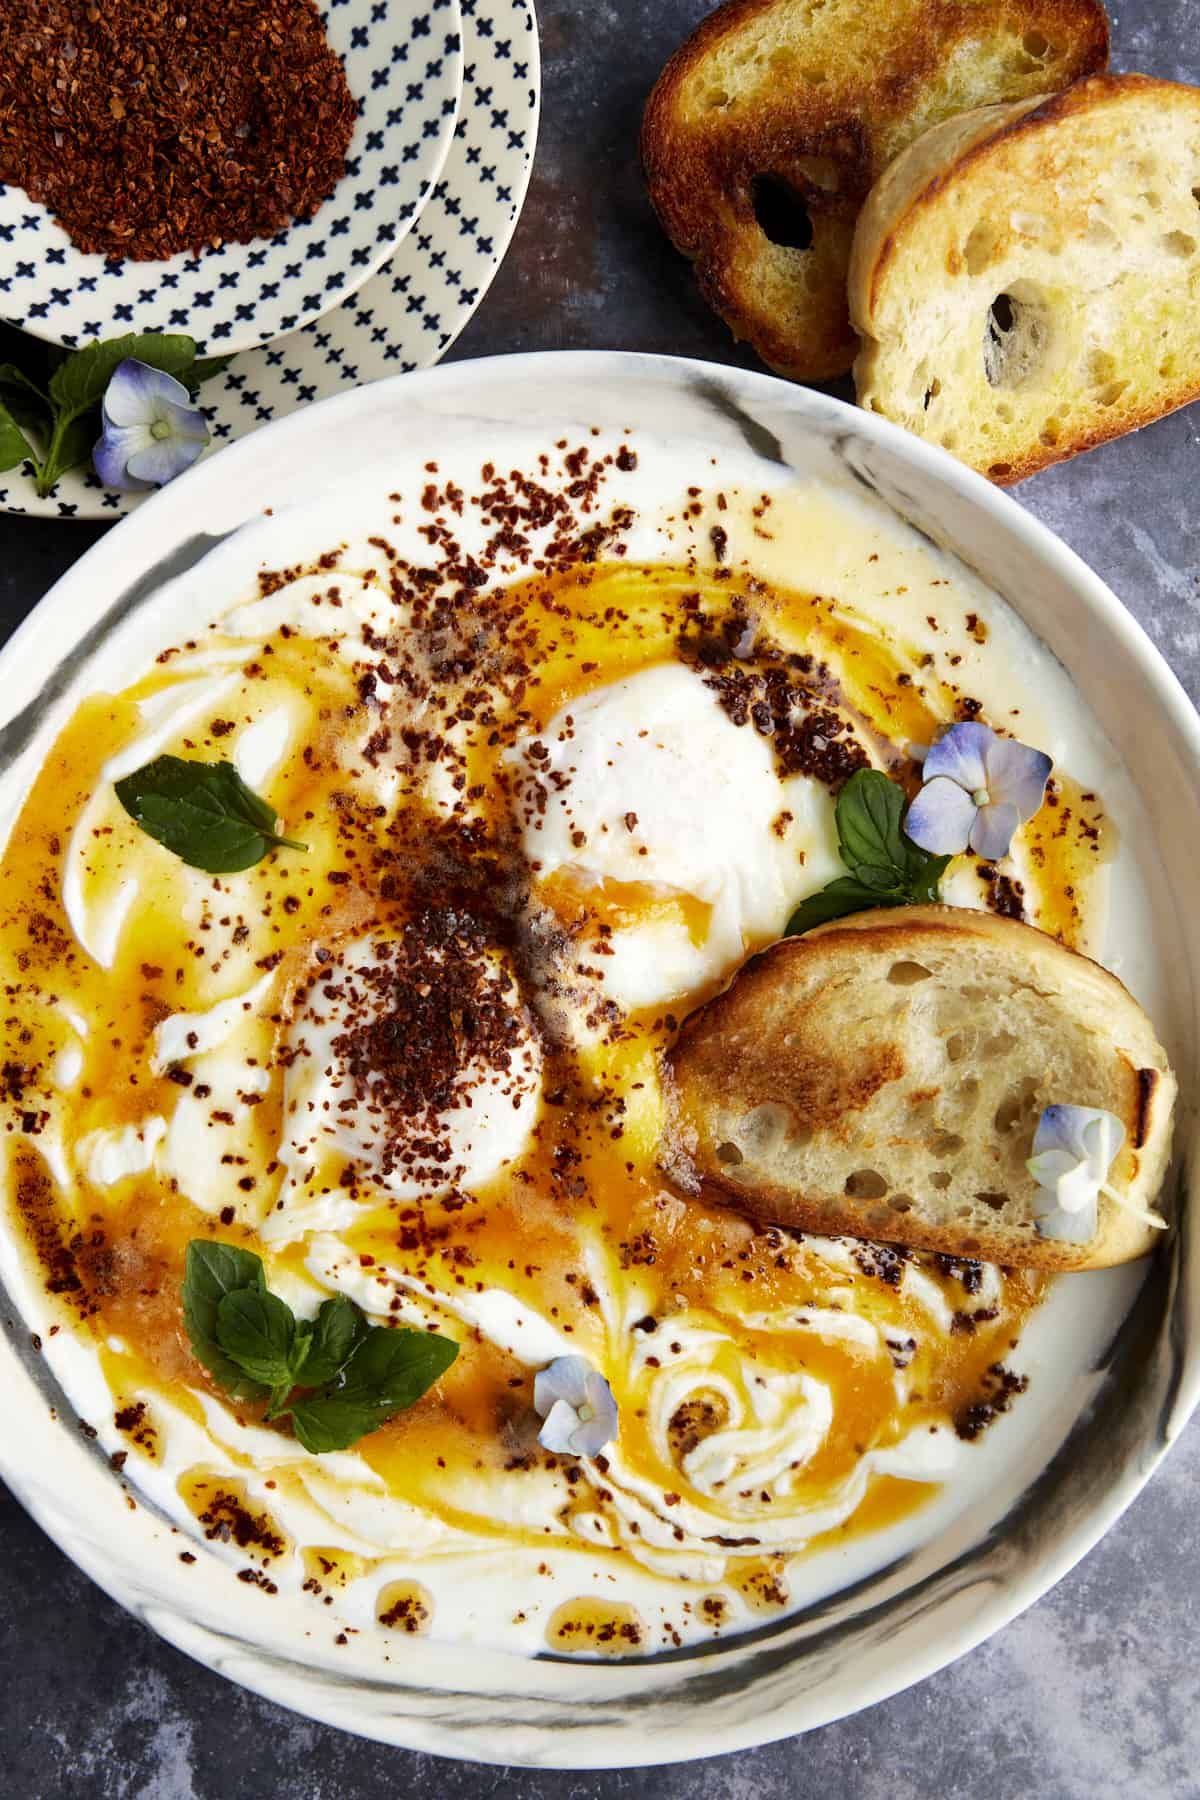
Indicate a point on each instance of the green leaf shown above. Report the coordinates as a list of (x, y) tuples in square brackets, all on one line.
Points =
[(255, 1329), (388, 1372), (79, 382), (203, 812), (214, 1270), (14, 446), (71, 443), (202, 370), (337, 1331), (886, 868), (869, 811), (25, 402), (836, 901), (925, 882)]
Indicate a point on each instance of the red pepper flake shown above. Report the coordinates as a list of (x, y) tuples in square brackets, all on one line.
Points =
[(149, 128)]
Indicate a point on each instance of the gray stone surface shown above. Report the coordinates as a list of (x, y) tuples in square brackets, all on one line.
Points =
[(1093, 1693)]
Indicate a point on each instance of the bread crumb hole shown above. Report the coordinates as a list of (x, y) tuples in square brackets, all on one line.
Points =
[(996, 1201), (1108, 396), (715, 99), (1037, 46), (1167, 367), (1016, 335), (999, 470), (932, 392), (999, 1044), (1178, 243), (780, 212), (866, 1184), (1050, 433), (907, 974), (940, 1179), (945, 1143), (729, 1153), (1153, 201), (901, 1203), (957, 1045), (1100, 234)]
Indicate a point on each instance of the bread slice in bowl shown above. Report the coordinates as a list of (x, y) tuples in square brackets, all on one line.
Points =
[(1026, 278), (884, 1076), (769, 125)]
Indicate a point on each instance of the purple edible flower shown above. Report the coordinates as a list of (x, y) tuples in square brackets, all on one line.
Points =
[(577, 1405), (978, 787), (152, 432)]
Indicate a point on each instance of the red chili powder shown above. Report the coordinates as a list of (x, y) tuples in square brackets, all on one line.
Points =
[(150, 127)]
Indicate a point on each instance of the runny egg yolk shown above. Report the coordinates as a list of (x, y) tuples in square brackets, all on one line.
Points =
[(703, 1325)]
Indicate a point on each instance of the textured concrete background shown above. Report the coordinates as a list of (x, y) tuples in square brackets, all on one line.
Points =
[(1093, 1694)]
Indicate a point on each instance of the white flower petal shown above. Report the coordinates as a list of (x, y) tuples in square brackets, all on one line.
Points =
[(941, 817), (564, 1379), (959, 754), (558, 1433), (1069, 1227), (1017, 776), (162, 459), (134, 390), (992, 832), (112, 452)]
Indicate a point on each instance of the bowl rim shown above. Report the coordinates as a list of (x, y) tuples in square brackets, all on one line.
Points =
[(565, 1736)]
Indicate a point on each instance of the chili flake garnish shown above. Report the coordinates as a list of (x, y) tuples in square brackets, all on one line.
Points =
[(158, 126)]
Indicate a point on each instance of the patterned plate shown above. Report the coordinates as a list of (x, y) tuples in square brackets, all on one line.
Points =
[(408, 315), (405, 63)]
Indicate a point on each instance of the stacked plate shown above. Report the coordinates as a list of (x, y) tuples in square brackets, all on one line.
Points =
[(413, 237)]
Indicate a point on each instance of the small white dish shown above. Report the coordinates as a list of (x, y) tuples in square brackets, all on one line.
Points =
[(409, 313), (404, 65), (1120, 1350)]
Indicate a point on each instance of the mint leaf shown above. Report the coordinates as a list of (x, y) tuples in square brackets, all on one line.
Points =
[(213, 1271), (203, 812), (869, 811), (202, 370), (886, 868), (388, 1372), (835, 901), (337, 1330), (14, 446), (925, 881), (79, 382), (71, 443), (256, 1329)]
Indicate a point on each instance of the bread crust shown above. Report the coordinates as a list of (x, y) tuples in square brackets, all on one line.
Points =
[(734, 1055), (827, 140), (943, 159)]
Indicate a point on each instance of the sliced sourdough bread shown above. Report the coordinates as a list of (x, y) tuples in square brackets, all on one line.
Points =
[(768, 127), (883, 1076), (1026, 278)]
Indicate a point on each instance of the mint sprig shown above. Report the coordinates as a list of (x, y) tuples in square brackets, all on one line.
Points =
[(886, 867), (336, 1376), (203, 812), (50, 399)]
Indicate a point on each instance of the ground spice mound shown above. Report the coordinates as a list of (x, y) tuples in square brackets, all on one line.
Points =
[(151, 127)]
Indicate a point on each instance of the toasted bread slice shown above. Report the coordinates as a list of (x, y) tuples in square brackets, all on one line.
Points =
[(883, 1077), (1026, 278), (769, 125)]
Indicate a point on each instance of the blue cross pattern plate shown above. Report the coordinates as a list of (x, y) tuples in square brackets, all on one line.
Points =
[(407, 316), (404, 62)]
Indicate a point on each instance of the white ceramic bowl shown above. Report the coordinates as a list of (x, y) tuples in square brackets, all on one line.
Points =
[(404, 65), (1129, 1372)]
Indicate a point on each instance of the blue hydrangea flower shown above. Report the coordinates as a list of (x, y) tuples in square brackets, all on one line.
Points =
[(577, 1405), (152, 432), (1074, 1148), (978, 787)]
